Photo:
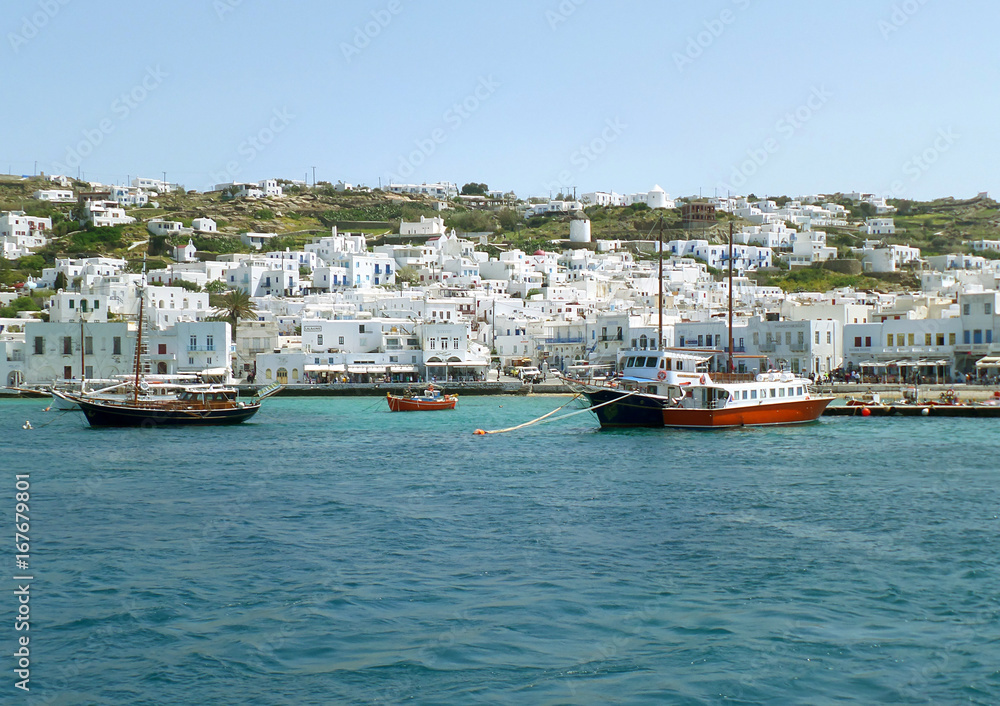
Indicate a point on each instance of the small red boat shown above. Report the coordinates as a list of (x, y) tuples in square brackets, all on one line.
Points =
[(431, 399)]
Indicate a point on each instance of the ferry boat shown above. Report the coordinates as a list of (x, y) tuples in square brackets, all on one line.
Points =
[(668, 388), (431, 400)]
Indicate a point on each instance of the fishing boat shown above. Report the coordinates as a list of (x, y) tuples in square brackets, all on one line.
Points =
[(670, 388), (431, 399)]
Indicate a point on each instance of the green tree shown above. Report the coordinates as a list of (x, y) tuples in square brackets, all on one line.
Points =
[(216, 286), (236, 305), (60, 281), (508, 219), (188, 285), (408, 274), (474, 189)]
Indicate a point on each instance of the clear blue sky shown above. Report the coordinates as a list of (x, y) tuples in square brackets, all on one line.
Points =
[(776, 97)]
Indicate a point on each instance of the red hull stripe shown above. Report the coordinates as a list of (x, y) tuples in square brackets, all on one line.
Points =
[(761, 415)]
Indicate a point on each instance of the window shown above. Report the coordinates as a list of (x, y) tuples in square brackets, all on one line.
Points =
[(951, 339), (940, 339), (319, 339), (788, 338), (193, 343), (989, 335), (966, 338), (444, 343), (988, 308), (977, 336), (454, 343), (909, 339), (888, 339), (67, 345), (341, 339), (965, 309), (829, 337), (701, 341), (753, 394), (927, 339), (857, 341), (431, 344), (72, 303), (802, 338), (88, 346), (817, 337), (116, 345), (756, 339), (868, 341), (39, 345)]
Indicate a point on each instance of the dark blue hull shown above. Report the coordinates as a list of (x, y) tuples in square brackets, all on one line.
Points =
[(632, 411), (112, 415)]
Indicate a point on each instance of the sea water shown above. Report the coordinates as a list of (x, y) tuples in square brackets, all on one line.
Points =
[(333, 552)]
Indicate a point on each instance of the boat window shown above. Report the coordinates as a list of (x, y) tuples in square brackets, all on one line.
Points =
[(630, 363), (753, 394), (678, 365), (798, 390), (650, 362), (745, 393), (663, 362), (774, 393), (781, 392)]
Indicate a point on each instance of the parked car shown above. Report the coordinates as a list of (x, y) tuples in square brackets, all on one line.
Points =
[(529, 374)]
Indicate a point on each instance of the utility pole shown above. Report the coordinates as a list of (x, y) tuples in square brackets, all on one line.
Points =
[(314, 177), (164, 182)]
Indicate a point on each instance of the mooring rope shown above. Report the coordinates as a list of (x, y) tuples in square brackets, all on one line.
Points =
[(542, 418)]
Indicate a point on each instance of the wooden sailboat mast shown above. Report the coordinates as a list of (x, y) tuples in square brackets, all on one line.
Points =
[(138, 342), (659, 296), (732, 368)]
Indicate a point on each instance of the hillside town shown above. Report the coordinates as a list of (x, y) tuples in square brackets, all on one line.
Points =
[(422, 301)]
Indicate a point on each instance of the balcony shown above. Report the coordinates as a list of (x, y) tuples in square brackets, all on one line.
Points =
[(767, 347), (195, 349), (568, 341)]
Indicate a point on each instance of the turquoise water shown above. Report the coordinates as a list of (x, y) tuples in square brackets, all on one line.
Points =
[(331, 552)]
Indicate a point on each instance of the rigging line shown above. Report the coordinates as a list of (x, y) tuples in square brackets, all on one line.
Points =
[(542, 419)]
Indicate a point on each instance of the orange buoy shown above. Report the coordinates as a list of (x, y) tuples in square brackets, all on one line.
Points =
[(477, 432), (865, 412)]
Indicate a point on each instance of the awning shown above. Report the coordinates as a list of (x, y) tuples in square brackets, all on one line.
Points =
[(403, 368), (361, 369), (324, 368), (988, 362)]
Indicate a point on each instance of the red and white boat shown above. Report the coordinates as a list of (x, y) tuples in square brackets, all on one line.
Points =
[(430, 400), (667, 388)]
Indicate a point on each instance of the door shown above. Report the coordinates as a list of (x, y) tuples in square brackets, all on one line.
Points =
[(68, 372), (282, 376)]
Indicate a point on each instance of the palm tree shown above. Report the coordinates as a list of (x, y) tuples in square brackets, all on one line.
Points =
[(236, 305)]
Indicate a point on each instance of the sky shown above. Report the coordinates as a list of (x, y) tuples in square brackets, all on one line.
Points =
[(727, 96)]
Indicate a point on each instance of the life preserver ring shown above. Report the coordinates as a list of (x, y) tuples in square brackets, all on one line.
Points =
[(704, 379), (662, 375), (613, 384), (143, 385)]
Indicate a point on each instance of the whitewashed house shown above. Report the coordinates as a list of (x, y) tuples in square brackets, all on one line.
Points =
[(204, 225), (55, 195)]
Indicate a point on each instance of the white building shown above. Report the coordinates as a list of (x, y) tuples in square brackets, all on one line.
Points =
[(158, 226), (128, 195), (879, 226), (204, 225), (425, 226), (20, 233), (186, 253), (55, 195), (156, 185), (102, 212), (439, 190), (257, 240)]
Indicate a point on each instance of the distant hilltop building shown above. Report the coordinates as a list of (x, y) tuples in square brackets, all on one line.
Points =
[(425, 226), (698, 214), (439, 190), (157, 185), (654, 198)]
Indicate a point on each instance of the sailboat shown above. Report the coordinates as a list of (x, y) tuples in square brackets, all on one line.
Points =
[(204, 405), (673, 388)]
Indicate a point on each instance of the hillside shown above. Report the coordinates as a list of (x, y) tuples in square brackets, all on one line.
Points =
[(937, 227)]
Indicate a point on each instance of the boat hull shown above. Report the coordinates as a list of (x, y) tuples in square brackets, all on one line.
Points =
[(653, 412), (410, 404), (105, 415), (629, 411)]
